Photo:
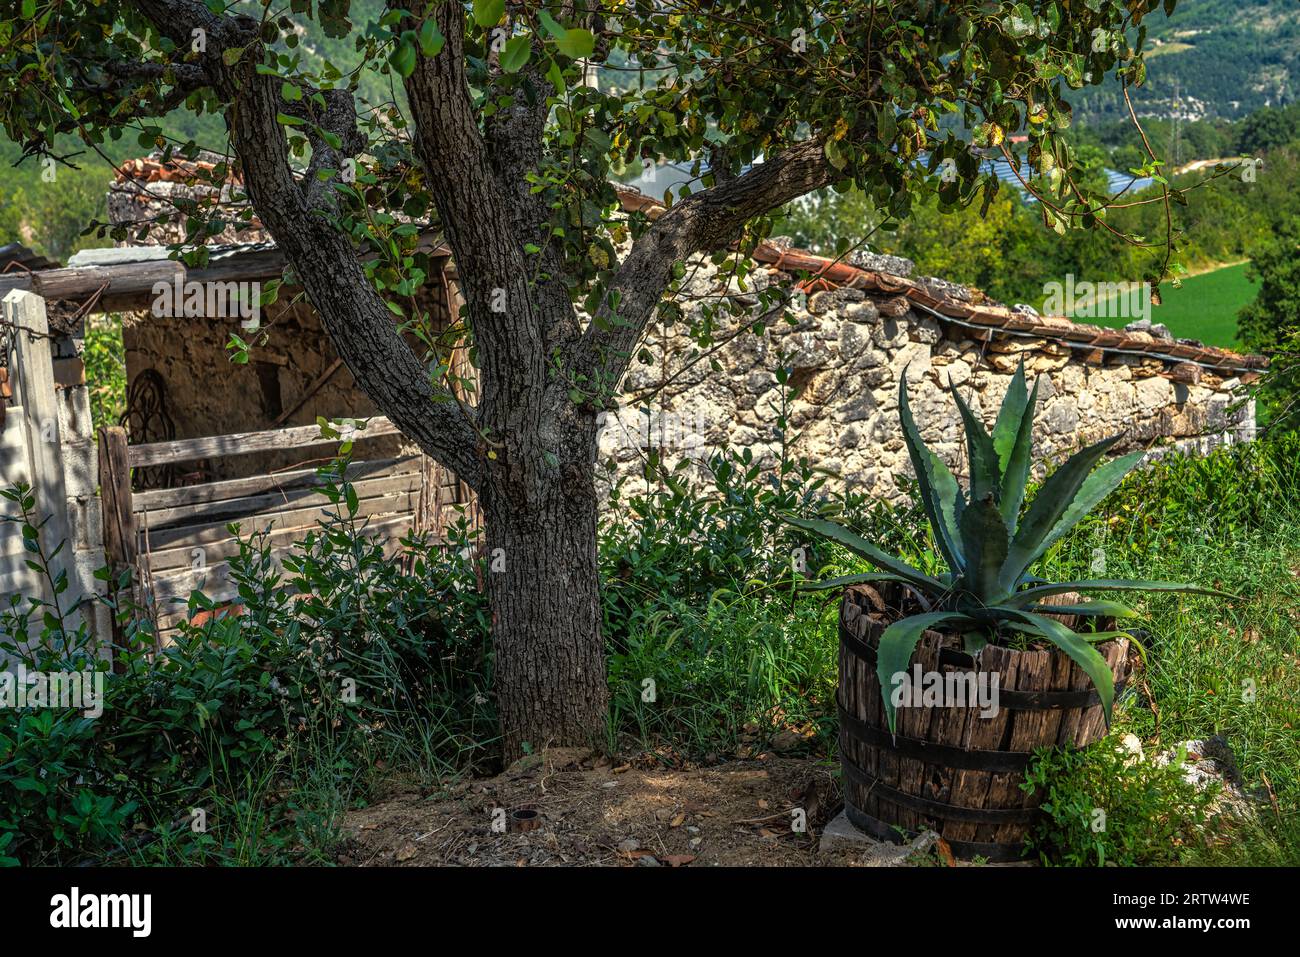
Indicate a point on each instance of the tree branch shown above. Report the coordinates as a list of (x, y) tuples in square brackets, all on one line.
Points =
[(703, 222), (352, 311), (477, 216)]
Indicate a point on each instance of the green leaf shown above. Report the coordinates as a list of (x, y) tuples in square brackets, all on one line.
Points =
[(515, 55), (860, 546), (487, 13), (1010, 416), (550, 25), (1074, 645), (290, 92), (556, 76), (1032, 595), (986, 540), (897, 643), (985, 476), (576, 43), (1052, 501), (402, 59), (1114, 609), (1095, 488), (431, 38), (1014, 445), (940, 494)]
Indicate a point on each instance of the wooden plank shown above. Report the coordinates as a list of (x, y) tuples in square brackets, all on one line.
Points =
[(233, 509), (131, 284), (243, 443), (281, 539), (120, 537), (294, 518), (257, 484), (35, 391), (79, 282)]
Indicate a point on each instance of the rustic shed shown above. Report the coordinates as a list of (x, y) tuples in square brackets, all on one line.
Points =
[(206, 441)]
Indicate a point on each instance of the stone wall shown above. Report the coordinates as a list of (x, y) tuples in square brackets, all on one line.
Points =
[(847, 352)]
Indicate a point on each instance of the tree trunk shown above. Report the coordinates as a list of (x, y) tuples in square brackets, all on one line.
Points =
[(544, 594)]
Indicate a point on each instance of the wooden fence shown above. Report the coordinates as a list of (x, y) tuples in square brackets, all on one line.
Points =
[(177, 540), (46, 442)]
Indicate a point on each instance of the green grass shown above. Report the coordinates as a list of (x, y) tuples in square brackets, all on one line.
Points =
[(1204, 307), (1216, 666)]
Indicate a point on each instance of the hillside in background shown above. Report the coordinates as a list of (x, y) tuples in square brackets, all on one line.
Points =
[(1210, 59)]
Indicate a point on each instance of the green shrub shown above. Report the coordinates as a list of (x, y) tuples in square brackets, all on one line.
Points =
[(1103, 808), (344, 656)]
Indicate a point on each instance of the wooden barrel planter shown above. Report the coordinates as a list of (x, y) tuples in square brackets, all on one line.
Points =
[(949, 769)]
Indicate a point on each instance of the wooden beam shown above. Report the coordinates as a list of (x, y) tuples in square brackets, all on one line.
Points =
[(243, 443), (274, 482), (81, 282), (130, 285), (120, 535)]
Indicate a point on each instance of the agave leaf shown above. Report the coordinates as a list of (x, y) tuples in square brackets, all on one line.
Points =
[(1095, 488), (1010, 417), (1015, 468), (1097, 637), (1077, 647), (862, 578), (951, 502), (940, 494), (986, 541), (985, 475), (1032, 595), (860, 546), (897, 643), (1052, 501), (1114, 609)]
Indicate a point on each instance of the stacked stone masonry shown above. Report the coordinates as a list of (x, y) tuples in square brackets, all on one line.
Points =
[(847, 352)]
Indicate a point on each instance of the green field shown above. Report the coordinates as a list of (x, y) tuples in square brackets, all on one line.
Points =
[(1204, 307)]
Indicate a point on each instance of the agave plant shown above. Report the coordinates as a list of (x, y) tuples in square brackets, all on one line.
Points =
[(989, 546)]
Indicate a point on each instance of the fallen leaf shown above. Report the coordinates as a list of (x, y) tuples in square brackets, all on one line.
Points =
[(945, 852), (678, 820), (406, 852), (678, 860)]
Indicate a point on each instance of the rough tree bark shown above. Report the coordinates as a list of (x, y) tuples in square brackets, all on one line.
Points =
[(527, 449)]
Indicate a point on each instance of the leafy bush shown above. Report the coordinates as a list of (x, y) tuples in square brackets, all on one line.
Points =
[(698, 598), (1104, 808), (345, 655)]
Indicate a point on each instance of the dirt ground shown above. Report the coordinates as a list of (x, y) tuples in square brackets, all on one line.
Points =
[(587, 810)]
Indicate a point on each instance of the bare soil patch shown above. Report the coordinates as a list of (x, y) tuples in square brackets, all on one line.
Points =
[(590, 810)]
